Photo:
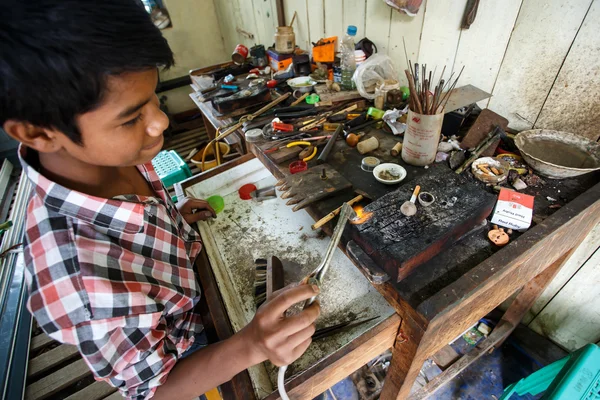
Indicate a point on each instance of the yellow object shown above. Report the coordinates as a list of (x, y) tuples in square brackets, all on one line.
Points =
[(328, 126), (213, 394), (298, 144), (210, 161), (311, 156)]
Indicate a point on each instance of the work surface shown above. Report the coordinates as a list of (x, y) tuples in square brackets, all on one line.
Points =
[(247, 230), (431, 277)]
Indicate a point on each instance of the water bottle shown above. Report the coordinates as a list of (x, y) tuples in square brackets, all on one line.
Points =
[(348, 58)]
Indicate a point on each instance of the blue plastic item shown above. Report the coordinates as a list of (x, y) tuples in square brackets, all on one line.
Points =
[(170, 167), (351, 30), (575, 377)]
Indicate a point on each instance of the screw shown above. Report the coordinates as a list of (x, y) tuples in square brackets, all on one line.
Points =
[(323, 174)]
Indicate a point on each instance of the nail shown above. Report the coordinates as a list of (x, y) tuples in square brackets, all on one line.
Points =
[(315, 288)]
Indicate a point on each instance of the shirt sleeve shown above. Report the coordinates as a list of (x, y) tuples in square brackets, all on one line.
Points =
[(133, 353)]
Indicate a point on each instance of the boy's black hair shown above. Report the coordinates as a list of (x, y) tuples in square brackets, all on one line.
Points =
[(56, 55)]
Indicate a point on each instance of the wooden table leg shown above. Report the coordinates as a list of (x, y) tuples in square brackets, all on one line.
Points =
[(406, 361), (210, 129)]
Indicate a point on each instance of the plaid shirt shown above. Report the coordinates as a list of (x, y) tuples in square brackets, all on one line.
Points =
[(114, 278)]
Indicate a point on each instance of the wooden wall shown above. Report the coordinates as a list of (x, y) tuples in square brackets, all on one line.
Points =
[(541, 60)]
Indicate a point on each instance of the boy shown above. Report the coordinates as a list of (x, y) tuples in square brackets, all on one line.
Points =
[(109, 258)]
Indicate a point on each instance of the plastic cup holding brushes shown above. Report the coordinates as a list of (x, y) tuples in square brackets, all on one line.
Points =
[(316, 277)]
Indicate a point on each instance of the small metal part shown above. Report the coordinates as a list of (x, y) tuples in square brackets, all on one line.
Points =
[(323, 174), (368, 164), (263, 194)]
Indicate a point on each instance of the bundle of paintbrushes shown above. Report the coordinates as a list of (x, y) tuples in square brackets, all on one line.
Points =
[(424, 98)]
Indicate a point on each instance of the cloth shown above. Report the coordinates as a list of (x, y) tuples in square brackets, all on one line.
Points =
[(113, 277)]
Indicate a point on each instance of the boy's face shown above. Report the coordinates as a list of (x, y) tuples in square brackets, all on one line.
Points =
[(126, 129)]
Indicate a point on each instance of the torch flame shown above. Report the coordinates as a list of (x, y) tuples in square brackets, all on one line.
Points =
[(362, 216)]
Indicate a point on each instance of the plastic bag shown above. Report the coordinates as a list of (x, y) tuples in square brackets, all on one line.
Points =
[(373, 73)]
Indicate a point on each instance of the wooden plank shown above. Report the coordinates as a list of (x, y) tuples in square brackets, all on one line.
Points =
[(482, 348), (354, 13), (441, 34), (51, 384), (342, 363), (378, 24), (40, 341), (316, 20), (540, 41), (409, 28), (445, 357), (406, 362), (584, 251), (567, 108), (226, 20), (334, 25), (240, 386), (482, 46), (50, 359), (265, 21), (114, 396), (96, 391), (573, 327), (301, 26)]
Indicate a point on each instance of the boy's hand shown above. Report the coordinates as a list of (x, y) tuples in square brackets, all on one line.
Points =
[(194, 210), (271, 335)]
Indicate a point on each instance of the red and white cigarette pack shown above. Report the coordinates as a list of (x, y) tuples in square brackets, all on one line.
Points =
[(513, 210)]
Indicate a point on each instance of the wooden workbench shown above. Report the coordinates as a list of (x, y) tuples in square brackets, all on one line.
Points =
[(213, 122), (444, 296)]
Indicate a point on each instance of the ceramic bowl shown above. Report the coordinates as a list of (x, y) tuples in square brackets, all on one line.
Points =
[(393, 169)]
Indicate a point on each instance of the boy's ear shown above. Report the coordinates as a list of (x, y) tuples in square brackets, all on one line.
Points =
[(41, 139)]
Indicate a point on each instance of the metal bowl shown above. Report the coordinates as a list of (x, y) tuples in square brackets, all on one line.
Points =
[(558, 155)]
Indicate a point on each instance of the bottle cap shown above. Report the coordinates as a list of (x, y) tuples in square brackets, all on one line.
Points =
[(369, 163), (351, 30)]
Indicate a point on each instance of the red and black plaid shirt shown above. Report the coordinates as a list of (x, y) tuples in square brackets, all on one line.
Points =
[(113, 277)]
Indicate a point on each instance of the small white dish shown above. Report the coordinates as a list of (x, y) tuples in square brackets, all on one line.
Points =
[(303, 84), (393, 170)]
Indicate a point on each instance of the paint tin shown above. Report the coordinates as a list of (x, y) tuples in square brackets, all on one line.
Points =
[(239, 54), (285, 40)]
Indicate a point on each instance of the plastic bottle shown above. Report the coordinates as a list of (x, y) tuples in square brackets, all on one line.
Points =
[(348, 59)]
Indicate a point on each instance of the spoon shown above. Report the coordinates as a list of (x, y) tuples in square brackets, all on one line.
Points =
[(409, 208)]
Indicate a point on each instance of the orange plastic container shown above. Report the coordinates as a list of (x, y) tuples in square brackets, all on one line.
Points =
[(324, 51)]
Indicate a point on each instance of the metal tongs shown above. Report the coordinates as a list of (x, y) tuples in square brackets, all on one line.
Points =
[(316, 278)]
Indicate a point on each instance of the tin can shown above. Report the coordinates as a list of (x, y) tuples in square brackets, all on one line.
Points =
[(239, 54)]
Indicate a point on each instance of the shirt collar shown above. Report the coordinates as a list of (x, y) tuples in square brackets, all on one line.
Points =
[(111, 214)]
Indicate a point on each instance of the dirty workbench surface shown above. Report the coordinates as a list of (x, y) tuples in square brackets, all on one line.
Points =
[(248, 230), (473, 248)]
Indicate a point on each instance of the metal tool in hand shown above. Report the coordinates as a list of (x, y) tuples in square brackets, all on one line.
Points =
[(316, 278)]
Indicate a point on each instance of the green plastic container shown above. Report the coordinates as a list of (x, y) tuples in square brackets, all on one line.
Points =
[(170, 167), (217, 203), (575, 377)]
